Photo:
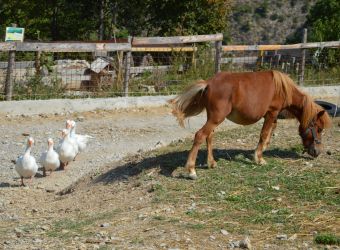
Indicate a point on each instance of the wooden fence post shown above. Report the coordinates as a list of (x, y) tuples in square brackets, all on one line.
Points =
[(218, 55), (9, 75), (193, 59), (37, 63), (127, 70), (303, 58)]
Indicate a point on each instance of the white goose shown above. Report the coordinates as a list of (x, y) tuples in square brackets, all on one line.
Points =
[(81, 140), (26, 165), (67, 149), (68, 126), (50, 158)]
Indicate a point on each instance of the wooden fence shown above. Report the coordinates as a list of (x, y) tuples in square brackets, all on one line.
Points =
[(148, 44), (145, 44), (300, 47)]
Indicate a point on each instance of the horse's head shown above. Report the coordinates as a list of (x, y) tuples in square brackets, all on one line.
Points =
[(311, 136)]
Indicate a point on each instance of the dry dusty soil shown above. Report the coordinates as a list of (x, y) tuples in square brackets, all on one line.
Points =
[(107, 198)]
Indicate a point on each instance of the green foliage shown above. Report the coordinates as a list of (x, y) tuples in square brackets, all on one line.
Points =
[(324, 21), (50, 20), (245, 27), (188, 17), (262, 10), (274, 16), (327, 239), (81, 19), (305, 8), (184, 70), (241, 10), (36, 89), (292, 3)]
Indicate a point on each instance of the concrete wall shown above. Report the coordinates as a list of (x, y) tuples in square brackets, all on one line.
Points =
[(36, 107), (332, 92)]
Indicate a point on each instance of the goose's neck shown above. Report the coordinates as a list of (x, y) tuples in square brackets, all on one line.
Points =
[(68, 137), (28, 150), (73, 131)]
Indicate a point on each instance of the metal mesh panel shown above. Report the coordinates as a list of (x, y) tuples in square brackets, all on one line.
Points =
[(168, 72), (321, 65)]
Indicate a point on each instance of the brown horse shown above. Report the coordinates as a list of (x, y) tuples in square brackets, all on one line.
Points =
[(245, 98)]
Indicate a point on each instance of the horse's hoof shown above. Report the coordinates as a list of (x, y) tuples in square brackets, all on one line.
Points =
[(262, 162), (259, 161), (212, 164), (192, 176)]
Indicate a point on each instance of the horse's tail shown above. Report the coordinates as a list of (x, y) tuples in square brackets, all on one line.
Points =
[(284, 86), (190, 102)]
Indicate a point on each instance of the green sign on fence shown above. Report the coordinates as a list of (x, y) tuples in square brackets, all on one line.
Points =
[(14, 34)]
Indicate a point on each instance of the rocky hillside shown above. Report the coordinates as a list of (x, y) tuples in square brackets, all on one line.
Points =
[(268, 21)]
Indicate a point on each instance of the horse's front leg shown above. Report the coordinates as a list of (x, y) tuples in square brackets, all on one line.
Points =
[(274, 125), (200, 136), (210, 159), (268, 126)]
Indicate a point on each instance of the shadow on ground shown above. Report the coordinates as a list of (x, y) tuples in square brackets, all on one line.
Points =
[(169, 162)]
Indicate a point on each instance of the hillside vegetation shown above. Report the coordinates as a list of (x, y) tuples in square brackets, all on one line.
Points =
[(267, 22)]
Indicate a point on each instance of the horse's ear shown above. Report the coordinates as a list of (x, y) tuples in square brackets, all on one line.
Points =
[(321, 113)]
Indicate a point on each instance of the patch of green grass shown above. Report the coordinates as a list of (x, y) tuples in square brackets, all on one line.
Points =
[(159, 217), (311, 186), (297, 148), (66, 228), (105, 247), (197, 226), (327, 239), (273, 216), (137, 240), (247, 195), (337, 156)]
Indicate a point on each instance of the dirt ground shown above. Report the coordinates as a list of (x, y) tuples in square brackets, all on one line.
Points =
[(112, 205), (116, 134)]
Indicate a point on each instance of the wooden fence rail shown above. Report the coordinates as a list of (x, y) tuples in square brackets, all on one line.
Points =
[(64, 46), (332, 44), (164, 49), (142, 41), (90, 47)]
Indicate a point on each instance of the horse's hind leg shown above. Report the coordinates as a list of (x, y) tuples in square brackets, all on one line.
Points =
[(267, 129), (210, 161), (200, 136)]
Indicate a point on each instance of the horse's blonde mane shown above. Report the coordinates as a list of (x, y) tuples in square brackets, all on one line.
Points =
[(285, 87)]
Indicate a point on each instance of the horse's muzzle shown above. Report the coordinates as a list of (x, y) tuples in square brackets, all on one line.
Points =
[(313, 151)]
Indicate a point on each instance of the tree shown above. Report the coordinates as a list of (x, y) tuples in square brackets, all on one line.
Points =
[(105, 19), (173, 17), (323, 21), (75, 20), (50, 20), (24, 14)]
